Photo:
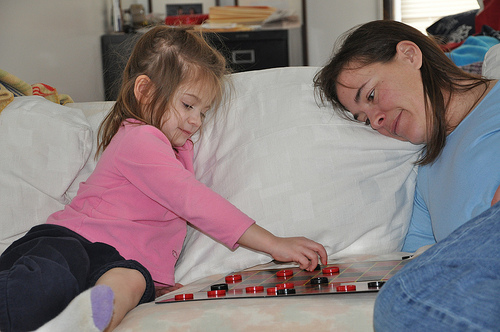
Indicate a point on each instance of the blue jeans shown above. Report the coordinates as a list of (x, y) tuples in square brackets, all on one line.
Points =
[(453, 286)]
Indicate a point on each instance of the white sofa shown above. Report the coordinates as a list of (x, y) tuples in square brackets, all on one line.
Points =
[(295, 167)]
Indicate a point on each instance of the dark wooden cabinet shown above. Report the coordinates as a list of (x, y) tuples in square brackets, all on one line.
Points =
[(244, 50), (252, 50), (115, 50)]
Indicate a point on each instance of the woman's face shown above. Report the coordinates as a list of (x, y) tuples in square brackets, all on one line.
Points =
[(388, 96)]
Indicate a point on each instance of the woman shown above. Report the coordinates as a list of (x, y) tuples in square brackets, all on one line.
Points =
[(397, 80)]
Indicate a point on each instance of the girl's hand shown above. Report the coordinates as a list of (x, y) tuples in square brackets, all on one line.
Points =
[(301, 250)]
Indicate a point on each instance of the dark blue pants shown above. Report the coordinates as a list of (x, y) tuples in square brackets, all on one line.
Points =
[(47, 268)]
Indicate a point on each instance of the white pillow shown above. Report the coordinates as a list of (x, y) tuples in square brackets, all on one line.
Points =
[(95, 113), (491, 63), (299, 170), (43, 146)]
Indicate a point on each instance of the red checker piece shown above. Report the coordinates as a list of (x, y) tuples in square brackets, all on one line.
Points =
[(284, 273), (286, 285), (346, 288), (330, 270), (272, 291), (254, 289), (216, 293), (184, 297), (233, 278)]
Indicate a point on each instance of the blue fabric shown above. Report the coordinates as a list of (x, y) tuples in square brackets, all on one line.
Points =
[(453, 286), (12, 90), (461, 183), (472, 50)]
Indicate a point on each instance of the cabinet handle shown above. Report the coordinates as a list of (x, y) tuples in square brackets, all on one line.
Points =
[(243, 56)]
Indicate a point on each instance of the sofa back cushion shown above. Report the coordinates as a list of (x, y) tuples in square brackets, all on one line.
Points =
[(299, 170), (43, 146), (491, 63)]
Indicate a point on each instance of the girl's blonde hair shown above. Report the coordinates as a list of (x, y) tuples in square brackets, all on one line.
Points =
[(170, 57)]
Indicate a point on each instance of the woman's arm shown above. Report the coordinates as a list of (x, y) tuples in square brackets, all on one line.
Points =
[(291, 249)]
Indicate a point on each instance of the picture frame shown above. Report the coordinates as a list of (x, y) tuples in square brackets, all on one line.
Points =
[(184, 9)]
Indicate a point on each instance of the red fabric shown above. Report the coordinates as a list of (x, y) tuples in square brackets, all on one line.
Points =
[(451, 46), (490, 15), (193, 19), (43, 90)]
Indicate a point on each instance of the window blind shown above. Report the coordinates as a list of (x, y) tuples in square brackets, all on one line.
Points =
[(423, 13)]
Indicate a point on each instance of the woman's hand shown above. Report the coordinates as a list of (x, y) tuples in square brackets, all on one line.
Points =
[(300, 250)]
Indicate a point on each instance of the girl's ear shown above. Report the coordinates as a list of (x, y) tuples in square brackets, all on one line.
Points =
[(141, 89), (409, 51)]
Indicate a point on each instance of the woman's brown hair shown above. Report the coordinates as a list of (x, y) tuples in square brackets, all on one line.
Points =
[(170, 57), (376, 42)]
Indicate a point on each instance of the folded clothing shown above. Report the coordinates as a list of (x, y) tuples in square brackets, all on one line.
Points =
[(12, 86), (472, 50)]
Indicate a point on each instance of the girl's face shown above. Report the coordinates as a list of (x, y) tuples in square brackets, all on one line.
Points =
[(388, 96), (190, 103)]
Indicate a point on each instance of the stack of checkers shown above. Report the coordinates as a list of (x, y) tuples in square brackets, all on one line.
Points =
[(240, 14)]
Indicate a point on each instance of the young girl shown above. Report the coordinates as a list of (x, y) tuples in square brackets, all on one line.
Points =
[(126, 226)]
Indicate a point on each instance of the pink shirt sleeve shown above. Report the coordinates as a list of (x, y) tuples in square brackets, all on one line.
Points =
[(147, 160)]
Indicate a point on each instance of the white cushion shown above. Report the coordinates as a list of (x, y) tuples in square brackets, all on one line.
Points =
[(43, 146), (299, 170), (95, 113), (491, 63)]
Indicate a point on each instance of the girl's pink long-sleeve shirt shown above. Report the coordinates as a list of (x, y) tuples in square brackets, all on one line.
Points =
[(140, 196)]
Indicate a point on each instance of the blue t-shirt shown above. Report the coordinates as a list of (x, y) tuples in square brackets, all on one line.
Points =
[(461, 183)]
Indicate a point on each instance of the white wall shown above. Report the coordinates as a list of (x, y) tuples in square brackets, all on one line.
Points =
[(329, 19), (57, 42), (54, 42)]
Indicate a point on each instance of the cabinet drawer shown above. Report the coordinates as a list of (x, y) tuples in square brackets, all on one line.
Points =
[(253, 50)]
